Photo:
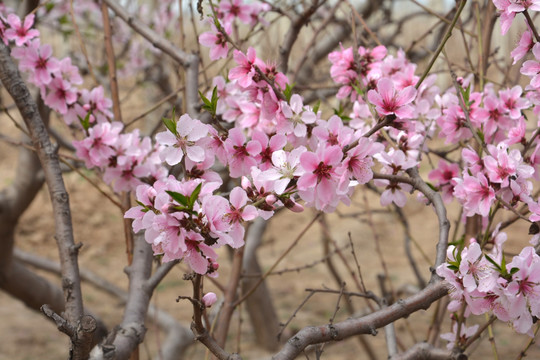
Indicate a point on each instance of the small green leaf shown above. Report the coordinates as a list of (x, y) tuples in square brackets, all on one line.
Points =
[(181, 199), (171, 123), (481, 135), (514, 270), (214, 97), (194, 196), (288, 91), (49, 6), (453, 267), (85, 122), (210, 105), (317, 106), (433, 187), (497, 266), (466, 94)]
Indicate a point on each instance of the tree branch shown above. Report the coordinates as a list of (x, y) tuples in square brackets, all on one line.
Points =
[(11, 79)]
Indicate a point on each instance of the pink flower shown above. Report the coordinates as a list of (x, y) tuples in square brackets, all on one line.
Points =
[(532, 67), (358, 162), (39, 60), (245, 71), (464, 332), (512, 101), (209, 299), (241, 156), (199, 256), (21, 33), (237, 214), (216, 41), (60, 95), (297, 117), (475, 193), (189, 131), (524, 46), (444, 175), (232, 9), (96, 104), (320, 180), (333, 132), (269, 147), (388, 101), (453, 125), (286, 167)]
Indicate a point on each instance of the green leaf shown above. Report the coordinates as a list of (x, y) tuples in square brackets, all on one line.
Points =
[(210, 105), (288, 91), (453, 267), (466, 94), (481, 135), (85, 122), (64, 20), (194, 196), (214, 97), (497, 266), (181, 199), (433, 187), (513, 270), (317, 106), (358, 89)]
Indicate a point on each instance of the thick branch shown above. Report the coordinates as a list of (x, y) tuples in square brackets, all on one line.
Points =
[(132, 329), (365, 325), (48, 157)]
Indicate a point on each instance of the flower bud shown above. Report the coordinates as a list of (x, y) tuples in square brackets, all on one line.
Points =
[(293, 206), (209, 299), (271, 199), (245, 183)]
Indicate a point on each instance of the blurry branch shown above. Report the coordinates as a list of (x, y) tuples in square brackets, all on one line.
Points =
[(131, 331), (66, 144), (48, 157), (224, 318), (82, 43), (440, 48), (297, 22), (425, 351), (408, 238), (179, 337), (190, 62), (260, 307), (329, 17), (111, 62)]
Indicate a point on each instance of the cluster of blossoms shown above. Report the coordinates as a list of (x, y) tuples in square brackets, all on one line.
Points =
[(486, 283), (285, 154), (227, 13), (125, 158), (501, 173)]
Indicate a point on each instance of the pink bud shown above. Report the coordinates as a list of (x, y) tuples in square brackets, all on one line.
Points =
[(271, 199), (209, 299), (245, 183)]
